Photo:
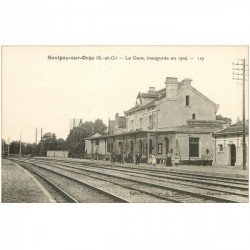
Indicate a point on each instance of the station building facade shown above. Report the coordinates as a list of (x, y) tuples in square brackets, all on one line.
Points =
[(177, 119)]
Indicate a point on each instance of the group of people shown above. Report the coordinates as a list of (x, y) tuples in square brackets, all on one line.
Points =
[(168, 162), (121, 158), (117, 157)]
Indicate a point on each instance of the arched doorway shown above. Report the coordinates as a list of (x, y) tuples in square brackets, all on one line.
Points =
[(131, 147), (131, 151), (120, 147), (166, 145), (140, 147), (232, 154), (150, 146)]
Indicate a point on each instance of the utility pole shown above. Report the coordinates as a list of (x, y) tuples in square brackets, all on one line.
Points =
[(36, 142), (41, 142), (20, 146), (8, 146), (239, 73), (41, 133)]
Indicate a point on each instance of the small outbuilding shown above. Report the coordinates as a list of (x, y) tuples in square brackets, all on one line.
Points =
[(58, 153), (229, 145)]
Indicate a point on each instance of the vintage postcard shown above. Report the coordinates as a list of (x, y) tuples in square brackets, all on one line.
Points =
[(137, 124)]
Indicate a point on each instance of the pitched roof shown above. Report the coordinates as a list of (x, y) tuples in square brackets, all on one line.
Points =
[(136, 108), (204, 97), (233, 129), (160, 94), (147, 95), (94, 135)]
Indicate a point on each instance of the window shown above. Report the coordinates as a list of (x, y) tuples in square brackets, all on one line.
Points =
[(96, 142), (193, 116), (220, 148), (150, 120), (109, 147), (140, 121), (132, 124), (194, 147), (160, 148), (145, 149), (187, 100)]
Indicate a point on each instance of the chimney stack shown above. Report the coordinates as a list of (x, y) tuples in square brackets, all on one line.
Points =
[(186, 81), (151, 90), (172, 86)]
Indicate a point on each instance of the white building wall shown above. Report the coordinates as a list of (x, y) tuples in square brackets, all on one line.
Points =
[(58, 153), (175, 112), (223, 158), (170, 113)]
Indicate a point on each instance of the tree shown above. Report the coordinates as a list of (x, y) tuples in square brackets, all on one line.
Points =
[(27, 148), (99, 126), (14, 147), (225, 119), (49, 142), (76, 138)]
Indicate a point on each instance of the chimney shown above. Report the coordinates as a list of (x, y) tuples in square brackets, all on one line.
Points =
[(186, 81), (151, 90), (172, 86)]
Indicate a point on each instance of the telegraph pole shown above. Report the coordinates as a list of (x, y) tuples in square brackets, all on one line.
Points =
[(239, 73), (36, 142), (20, 146), (41, 142), (8, 146)]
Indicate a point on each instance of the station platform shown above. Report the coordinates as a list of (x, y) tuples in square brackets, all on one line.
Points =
[(223, 171), (19, 186)]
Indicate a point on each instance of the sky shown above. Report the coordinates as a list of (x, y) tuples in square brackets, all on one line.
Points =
[(41, 92)]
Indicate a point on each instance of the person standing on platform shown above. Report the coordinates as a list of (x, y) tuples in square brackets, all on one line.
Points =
[(153, 160), (136, 159), (113, 158), (139, 158), (169, 159), (176, 160)]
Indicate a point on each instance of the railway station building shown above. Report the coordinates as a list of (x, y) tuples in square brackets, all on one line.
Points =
[(177, 119)]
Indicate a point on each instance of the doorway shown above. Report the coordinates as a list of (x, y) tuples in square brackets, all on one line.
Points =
[(167, 145), (233, 154), (140, 147), (150, 146)]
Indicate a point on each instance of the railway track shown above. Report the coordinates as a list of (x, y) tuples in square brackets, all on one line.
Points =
[(210, 184), (122, 194), (198, 176), (141, 184), (71, 189)]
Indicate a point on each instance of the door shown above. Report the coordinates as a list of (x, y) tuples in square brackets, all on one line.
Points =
[(233, 154), (167, 145), (140, 147), (150, 146)]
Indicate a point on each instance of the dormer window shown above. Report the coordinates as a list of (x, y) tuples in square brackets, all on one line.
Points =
[(132, 124), (187, 100)]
